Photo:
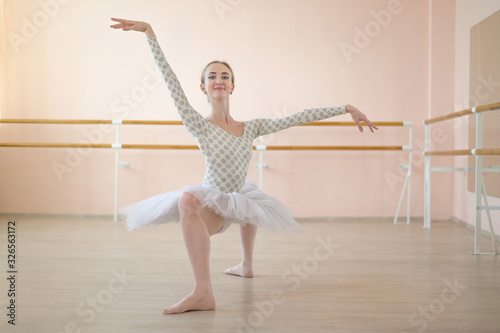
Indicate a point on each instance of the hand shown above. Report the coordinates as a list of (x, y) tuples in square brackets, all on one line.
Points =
[(358, 116), (128, 25)]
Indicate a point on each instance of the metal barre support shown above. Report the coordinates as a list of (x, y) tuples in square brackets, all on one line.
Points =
[(478, 152)]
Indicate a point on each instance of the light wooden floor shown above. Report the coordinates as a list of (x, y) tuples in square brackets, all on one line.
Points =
[(91, 275)]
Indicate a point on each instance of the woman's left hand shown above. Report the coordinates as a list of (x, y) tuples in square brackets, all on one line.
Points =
[(358, 116)]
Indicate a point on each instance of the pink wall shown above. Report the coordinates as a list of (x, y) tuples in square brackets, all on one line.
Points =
[(440, 99), (469, 13), (287, 55)]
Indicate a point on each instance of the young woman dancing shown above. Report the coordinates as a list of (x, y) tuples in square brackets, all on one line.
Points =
[(225, 196)]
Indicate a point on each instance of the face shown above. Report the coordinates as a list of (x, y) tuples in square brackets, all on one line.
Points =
[(217, 82)]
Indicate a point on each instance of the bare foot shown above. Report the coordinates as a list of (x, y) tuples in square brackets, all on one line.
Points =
[(240, 270), (192, 302)]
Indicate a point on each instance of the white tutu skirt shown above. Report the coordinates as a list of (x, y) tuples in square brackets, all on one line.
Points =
[(250, 205)]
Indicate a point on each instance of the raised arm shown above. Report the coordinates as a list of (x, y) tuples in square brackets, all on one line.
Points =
[(193, 121)]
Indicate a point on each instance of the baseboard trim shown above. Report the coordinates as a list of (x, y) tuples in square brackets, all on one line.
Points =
[(469, 226)]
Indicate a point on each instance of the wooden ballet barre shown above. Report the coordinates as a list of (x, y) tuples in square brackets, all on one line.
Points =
[(175, 122), (54, 121), (317, 123), (55, 145), (182, 147), (330, 148), (90, 121), (351, 123), (486, 151), (449, 152), (153, 146), (152, 122), (92, 145), (131, 146), (482, 108), (480, 151)]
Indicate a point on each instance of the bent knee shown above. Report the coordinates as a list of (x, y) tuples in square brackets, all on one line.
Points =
[(188, 203)]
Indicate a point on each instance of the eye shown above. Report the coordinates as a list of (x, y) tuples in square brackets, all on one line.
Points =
[(225, 77), (211, 77)]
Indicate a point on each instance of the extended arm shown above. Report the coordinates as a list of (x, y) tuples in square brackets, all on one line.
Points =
[(267, 126), (193, 121)]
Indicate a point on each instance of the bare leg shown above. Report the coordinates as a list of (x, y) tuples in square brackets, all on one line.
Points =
[(198, 224), (245, 268)]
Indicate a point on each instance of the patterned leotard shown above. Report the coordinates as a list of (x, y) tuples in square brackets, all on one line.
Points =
[(226, 156), (224, 188)]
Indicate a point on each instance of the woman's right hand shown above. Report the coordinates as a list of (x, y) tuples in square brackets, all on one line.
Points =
[(358, 116), (128, 25)]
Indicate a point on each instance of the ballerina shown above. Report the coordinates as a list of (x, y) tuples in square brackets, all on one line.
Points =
[(225, 196)]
